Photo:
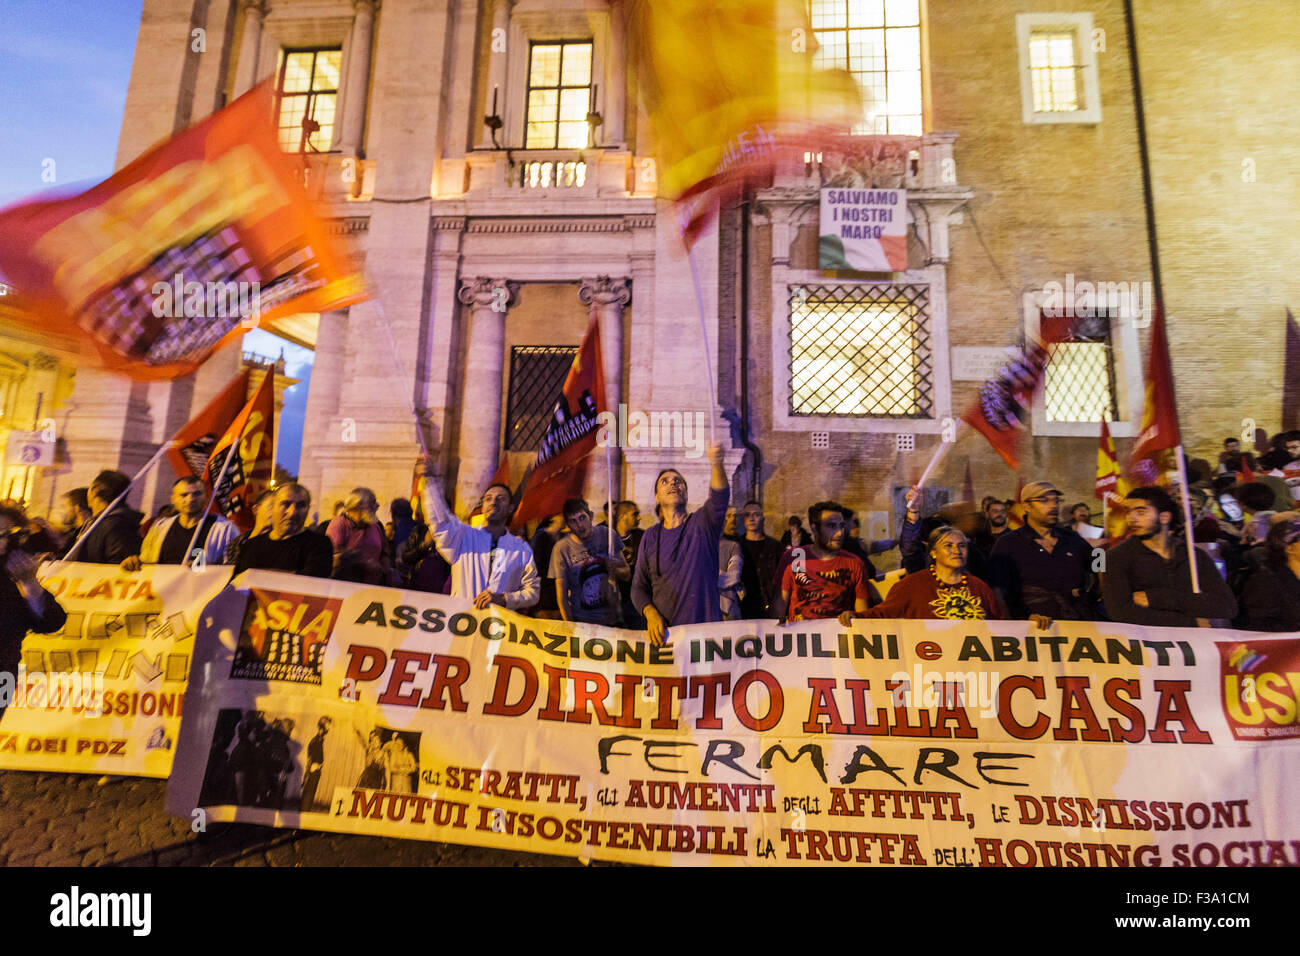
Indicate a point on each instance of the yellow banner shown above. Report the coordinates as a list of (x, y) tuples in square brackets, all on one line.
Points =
[(342, 707), (105, 694)]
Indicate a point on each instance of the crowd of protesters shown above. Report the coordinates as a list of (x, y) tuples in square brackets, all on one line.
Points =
[(1029, 558)]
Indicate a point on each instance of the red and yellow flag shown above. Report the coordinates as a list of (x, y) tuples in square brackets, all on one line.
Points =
[(1110, 486), (193, 444), (249, 444), (197, 241), (725, 84)]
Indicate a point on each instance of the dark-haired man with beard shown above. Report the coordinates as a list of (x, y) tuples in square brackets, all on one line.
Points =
[(827, 581), (1148, 579)]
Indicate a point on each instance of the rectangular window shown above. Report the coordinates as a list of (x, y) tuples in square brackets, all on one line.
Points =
[(537, 374), (1079, 383), (1053, 69), (861, 350), (1058, 67), (308, 93), (559, 95), (879, 42)]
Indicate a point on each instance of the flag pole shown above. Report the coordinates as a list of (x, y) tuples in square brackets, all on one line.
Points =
[(157, 456), (225, 467), (401, 367), (1187, 517), (938, 455), (704, 336), (609, 494)]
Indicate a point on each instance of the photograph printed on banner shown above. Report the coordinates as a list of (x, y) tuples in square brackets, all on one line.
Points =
[(293, 761)]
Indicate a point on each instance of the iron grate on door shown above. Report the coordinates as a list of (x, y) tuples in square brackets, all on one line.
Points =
[(537, 374)]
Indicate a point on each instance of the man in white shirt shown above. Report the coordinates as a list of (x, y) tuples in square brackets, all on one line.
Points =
[(169, 538), (489, 565), (1081, 523)]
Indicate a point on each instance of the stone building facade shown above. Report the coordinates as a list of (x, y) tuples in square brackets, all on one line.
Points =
[(487, 249)]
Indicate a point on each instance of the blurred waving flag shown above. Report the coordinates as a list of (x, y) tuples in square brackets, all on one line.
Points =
[(726, 85), (191, 245), (561, 466), (1001, 410)]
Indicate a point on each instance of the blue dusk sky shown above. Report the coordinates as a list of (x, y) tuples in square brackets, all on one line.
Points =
[(64, 70)]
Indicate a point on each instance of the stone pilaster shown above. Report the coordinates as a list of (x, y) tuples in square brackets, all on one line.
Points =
[(246, 69), (357, 80), (480, 420)]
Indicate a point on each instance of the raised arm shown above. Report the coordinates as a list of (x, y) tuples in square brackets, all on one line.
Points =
[(447, 529)]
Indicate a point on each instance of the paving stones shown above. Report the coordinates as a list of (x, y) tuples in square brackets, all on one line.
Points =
[(51, 819)]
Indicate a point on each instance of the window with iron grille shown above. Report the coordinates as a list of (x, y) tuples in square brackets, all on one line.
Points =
[(879, 43), (1079, 383), (1054, 71), (308, 93), (861, 350), (537, 374), (559, 95)]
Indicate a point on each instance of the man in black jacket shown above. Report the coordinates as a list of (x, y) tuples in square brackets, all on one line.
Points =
[(117, 536), (24, 604), (1148, 579)]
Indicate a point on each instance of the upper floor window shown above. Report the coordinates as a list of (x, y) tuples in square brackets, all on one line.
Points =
[(559, 95), (308, 93), (1053, 71), (1058, 68), (879, 42)]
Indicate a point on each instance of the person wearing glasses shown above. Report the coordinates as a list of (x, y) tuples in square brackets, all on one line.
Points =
[(676, 577), (1042, 571)]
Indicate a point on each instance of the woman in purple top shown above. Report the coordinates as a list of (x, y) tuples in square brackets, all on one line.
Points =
[(358, 540), (676, 578)]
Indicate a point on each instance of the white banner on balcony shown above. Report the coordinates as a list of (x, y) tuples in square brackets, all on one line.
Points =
[(864, 230)]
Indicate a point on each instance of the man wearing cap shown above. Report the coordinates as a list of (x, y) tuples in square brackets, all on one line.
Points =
[(1041, 570)]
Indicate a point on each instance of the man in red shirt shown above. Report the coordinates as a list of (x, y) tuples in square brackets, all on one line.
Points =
[(823, 580)]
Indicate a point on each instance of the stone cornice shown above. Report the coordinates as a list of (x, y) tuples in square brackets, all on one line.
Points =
[(522, 225)]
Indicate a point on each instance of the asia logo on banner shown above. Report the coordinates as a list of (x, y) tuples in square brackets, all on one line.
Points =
[(863, 230)]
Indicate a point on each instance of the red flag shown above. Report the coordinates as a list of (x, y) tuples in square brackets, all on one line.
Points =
[(180, 252), (561, 466), (193, 444), (250, 469), (1159, 430)]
